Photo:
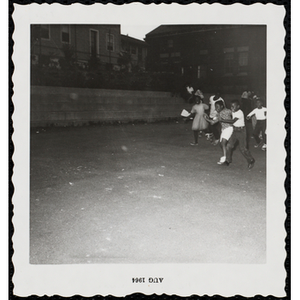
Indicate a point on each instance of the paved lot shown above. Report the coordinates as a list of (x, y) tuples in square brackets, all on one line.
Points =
[(141, 194)]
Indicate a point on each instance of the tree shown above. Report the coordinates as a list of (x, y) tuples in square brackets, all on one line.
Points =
[(67, 62), (124, 61)]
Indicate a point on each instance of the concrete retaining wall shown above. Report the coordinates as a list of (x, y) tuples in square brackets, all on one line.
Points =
[(60, 106)]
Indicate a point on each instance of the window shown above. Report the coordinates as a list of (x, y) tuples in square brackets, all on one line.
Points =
[(45, 32), (203, 52), (133, 50), (228, 50), (110, 42), (228, 65), (164, 55), (243, 59), (228, 60), (65, 34), (243, 49), (126, 47), (175, 54), (201, 72), (94, 42), (170, 43)]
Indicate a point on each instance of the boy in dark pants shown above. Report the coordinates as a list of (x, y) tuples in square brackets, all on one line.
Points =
[(239, 135), (260, 113)]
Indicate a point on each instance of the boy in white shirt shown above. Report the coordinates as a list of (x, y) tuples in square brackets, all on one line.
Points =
[(239, 134), (260, 113)]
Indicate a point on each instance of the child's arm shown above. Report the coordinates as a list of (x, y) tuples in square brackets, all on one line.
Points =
[(250, 114), (206, 107), (211, 121), (229, 121)]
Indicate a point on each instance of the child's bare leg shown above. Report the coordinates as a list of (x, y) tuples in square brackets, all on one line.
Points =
[(223, 145)]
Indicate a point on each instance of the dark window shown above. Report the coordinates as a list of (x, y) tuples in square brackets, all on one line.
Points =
[(170, 43), (65, 34), (228, 60), (45, 32), (94, 42), (110, 42), (201, 71), (243, 59), (203, 52), (133, 50)]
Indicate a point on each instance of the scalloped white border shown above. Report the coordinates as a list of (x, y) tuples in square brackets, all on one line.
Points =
[(89, 280)]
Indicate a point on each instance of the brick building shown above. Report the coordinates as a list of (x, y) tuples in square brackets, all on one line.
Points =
[(229, 58), (99, 45)]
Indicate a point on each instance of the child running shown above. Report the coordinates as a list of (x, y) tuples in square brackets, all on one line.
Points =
[(260, 113), (238, 135), (215, 128), (199, 122), (226, 128)]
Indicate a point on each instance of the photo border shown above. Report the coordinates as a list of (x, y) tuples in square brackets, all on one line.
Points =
[(287, 183)]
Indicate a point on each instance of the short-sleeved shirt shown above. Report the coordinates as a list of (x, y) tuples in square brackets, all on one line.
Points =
[(260, 113), (241, 119), (225, 114)]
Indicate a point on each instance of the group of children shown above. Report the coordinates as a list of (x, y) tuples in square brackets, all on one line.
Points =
[(227, 126)]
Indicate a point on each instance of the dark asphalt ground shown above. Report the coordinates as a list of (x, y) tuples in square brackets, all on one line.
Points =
[(141, 194)]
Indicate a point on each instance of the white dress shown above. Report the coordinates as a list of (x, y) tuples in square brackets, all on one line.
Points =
[(199, 122)]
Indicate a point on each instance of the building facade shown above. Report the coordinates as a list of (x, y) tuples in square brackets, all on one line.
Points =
[(84, 45), (136, 50), (225, 58)]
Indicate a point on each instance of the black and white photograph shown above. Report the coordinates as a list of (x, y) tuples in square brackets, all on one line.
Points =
[(149, 149)]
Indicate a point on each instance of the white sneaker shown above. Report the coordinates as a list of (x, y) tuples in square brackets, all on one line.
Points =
[(208, 136), (222, 160), (264, 147), (258, 145)]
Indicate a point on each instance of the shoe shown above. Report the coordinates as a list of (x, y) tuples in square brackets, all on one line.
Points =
[(208, 136), (251, 164), (222, 160), (194, 144), (264, 147), (258, 145)]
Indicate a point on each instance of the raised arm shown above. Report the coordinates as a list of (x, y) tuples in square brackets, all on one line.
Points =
[(250, 114)]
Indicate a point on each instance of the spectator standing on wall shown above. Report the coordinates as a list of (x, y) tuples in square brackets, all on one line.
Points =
[(189, 93)]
